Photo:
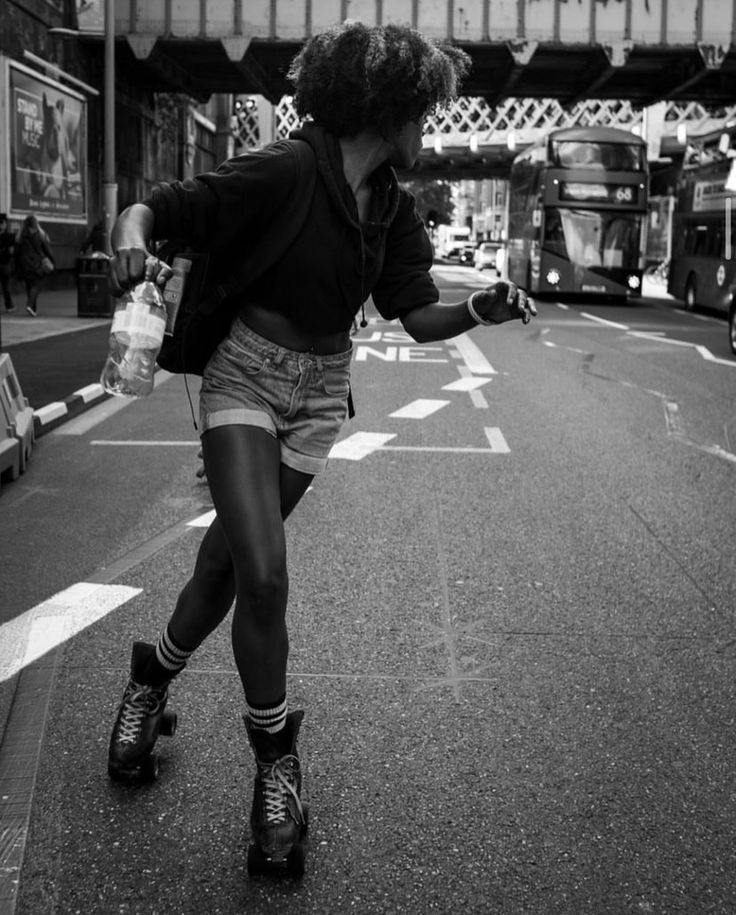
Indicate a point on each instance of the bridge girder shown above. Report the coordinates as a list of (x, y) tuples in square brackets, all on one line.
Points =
[(640, 50)]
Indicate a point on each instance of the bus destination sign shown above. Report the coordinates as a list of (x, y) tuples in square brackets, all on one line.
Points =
[(598, 192)]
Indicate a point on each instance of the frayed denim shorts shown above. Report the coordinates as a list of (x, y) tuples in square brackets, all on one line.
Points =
[(299, 398)]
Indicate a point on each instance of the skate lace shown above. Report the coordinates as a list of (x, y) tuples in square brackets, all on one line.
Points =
[(139, 703), (279, 784)]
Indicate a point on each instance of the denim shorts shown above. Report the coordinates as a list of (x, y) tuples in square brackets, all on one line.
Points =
[(299, 398)]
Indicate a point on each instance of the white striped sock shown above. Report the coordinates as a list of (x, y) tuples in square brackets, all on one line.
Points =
[(271, 720), (169, 654)]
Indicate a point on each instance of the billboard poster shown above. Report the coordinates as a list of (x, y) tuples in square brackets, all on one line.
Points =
[(91, 15), (48, 147)]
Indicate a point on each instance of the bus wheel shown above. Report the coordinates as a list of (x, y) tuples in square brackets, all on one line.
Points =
[(690, 295), (732, 328)]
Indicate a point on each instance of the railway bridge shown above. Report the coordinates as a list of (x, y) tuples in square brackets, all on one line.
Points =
[(663, 67)]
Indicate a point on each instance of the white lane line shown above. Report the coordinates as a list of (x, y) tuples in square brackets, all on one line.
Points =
[(439, 449), (474, 358), (702, 351), (467, 383), (419, 409), (570, 349), (359, 445), (496, 440), (56, 620), (604, 321), (204, 520), (143, 443)]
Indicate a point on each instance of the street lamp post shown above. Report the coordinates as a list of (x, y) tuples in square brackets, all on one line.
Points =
[(109, 183)]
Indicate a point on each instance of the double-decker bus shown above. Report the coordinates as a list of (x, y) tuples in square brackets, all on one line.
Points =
[(702, 269), (577, 208)]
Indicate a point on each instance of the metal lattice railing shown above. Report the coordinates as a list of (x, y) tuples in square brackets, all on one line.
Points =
[(470, 116)]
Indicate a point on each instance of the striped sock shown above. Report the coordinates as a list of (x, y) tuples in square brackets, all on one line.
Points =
[(170, 655), (271, 718)]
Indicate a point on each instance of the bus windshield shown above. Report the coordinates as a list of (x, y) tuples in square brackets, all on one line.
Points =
[(593, 239), (587, 154)]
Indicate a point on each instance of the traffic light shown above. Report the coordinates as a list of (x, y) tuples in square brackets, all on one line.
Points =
[(432, 218)]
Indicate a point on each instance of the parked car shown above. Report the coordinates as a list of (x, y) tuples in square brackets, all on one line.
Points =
[(484, 256), (467, 252)]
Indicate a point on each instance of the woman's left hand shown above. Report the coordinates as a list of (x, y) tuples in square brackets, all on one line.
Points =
[(503, 302)]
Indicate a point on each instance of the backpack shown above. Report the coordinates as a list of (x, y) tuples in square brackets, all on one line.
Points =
[(200, 310)]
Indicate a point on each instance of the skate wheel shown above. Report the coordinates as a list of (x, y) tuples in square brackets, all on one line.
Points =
[(257, 861), (144, 771), (296, 860), (149, 767), (167, 728)]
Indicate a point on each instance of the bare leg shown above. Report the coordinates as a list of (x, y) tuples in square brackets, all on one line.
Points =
[(207, 597), (246, 480)]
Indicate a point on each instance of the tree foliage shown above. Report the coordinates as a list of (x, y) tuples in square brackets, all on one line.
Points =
[(434, 200)]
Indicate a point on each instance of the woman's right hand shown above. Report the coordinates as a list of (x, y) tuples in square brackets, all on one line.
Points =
[(132, 265), (132, 262)]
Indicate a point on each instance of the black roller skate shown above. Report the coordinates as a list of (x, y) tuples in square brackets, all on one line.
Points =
[(142, 716), (278, 818)]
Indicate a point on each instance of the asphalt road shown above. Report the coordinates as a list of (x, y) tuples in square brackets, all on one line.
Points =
[(512, 632)]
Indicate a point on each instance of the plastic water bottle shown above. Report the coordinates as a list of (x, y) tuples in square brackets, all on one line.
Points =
[(136, 335)]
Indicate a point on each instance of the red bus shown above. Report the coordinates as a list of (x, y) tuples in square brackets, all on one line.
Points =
[(702, 270), (577, 207)]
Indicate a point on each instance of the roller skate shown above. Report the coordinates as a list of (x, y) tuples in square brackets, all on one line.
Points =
[(142, 717), (278, 817)]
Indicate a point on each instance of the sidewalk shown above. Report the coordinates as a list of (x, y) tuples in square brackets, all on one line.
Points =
[(57, 356)]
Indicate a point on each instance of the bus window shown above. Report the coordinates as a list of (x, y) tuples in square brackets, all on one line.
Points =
[(582, 236), (601, 239), (612, 156), (700, 242)]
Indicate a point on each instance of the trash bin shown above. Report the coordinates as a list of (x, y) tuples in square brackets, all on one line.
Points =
[(93, 288)]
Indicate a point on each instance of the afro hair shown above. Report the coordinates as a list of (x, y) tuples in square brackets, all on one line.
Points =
[(353, 76)]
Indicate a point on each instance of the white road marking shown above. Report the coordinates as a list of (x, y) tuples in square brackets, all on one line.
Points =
[(496, 440), (702, 351), (419, 409), (474, 358), (146, 443), (467, 383), (359, 445), (439, 449), (205, 520), (570, 349), (604, 321), (56, 620)]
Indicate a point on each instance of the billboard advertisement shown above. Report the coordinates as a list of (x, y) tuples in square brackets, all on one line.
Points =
[(47, 138)]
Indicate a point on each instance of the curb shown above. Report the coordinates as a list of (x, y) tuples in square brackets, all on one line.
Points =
[(58, 412)]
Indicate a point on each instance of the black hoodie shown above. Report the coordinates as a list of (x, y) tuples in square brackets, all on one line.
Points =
[(334, 264)]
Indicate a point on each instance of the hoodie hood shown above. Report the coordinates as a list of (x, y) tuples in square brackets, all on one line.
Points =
[(383, 180)]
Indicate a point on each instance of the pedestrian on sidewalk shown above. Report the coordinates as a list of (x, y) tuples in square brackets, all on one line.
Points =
[(34, 260), (7, 240), (96, 241), (275, 393)]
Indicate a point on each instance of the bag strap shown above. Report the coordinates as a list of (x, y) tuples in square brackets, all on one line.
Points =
[(279, 234)]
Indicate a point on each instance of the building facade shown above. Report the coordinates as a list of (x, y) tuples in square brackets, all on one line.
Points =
[(52, 115)]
